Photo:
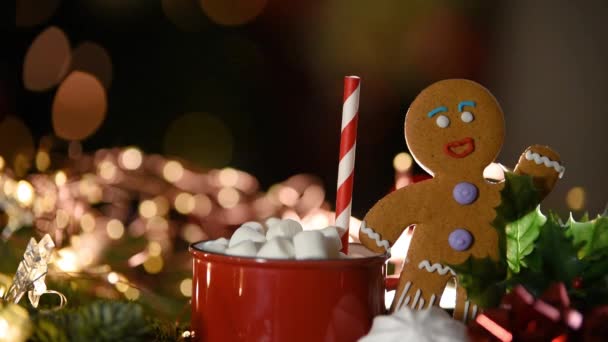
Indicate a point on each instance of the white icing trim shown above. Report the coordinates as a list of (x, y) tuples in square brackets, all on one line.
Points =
[(421, 304), (416, 296), (474, 314), (540, 159), (441, 269), (432, 301), (466, 312), (375, 236), (407, 301), (405, 289)]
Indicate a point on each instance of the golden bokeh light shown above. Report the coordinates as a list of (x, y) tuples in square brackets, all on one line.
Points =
[(9, 187), (154, 264), (173, 171), (47, 60), (67, 260), (107, 170), (228, 177), (147, 208), (79, 106), (24, 193), (184, 203), (200, 138), (131, 158), (43, 161), (115, 229), (60, 178), (87, 223), (234, 12), (185, 287), (576, 198), (132, 293), (62, 218), (2, 163), (30, 13), (95, 60), (403, 162), (154, 248), (228, 197)]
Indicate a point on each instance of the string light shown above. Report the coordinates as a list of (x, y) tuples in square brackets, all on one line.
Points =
[(173, 171)]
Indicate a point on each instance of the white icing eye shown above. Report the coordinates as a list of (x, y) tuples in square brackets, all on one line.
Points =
[(443, 121), (467, 117)]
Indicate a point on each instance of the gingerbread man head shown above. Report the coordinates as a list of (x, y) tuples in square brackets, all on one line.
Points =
[(454, 127)]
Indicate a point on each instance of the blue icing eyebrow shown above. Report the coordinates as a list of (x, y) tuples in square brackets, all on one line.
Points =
[(437, 110), (465, 103)]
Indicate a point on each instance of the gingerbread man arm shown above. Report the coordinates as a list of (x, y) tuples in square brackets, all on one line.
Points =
[(389, 217), (543, 164)]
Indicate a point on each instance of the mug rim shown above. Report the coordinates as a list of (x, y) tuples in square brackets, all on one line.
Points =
[(305, 263)]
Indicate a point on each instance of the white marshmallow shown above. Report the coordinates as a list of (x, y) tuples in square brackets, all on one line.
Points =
[(246, 233), (277, 248), (221, 241), (255, 225), (333, 241), (310, 245), (286, 228), (271, 221), (213, 246), (245, 248)]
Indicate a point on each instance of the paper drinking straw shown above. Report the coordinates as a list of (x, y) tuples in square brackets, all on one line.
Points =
[(348, 144)]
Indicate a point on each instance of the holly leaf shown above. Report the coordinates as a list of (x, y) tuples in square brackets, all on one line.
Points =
[(593, 235), (558, 253), (483, 278), (521, 235)]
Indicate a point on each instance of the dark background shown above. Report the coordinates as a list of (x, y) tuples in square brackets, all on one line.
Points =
[(275, 82)]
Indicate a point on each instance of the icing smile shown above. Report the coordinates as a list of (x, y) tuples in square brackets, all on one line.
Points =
[(460, 148)]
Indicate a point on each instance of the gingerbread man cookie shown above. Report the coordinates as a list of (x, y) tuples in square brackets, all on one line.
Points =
[(453, 129)]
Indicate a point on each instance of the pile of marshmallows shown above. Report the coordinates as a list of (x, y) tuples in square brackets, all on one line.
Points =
[(278, 239)]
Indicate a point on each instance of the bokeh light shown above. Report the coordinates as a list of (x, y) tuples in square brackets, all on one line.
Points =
[(228, 177), (24, 193), (115, 229), (192, 233), (576, 198), (200, 138), (87, 223), (402, 162), (184, 203), (147, 209), (30, 13), (173, 171), (131, 158), (232, 12), (43, 160), (47, 60), (93, 59), (79, 106), (185, 287), (203, 205), (228, 197), (154, 264), (60, 178)]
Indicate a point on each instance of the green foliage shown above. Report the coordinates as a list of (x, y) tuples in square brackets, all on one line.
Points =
[(483, 279), (592, 234), (521, 235), (101, 320)]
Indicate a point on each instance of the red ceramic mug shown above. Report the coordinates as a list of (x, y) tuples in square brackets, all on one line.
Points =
[(249, 299)]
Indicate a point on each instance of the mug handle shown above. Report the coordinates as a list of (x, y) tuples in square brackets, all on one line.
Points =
[(391, 282)]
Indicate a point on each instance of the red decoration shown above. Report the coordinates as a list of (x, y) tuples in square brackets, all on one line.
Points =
[(467, 142), (521, 317)]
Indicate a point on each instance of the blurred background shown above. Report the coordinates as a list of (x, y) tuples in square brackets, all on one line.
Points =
[(131, 128), (257, 85)]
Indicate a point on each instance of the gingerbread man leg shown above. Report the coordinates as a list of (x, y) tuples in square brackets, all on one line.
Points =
[(465, 310), (421, 285)]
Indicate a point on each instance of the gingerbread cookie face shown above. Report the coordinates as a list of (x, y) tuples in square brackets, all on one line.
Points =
[(454, 126)]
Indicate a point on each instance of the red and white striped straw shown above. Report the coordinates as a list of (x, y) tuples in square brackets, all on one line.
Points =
[(348, 144)]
